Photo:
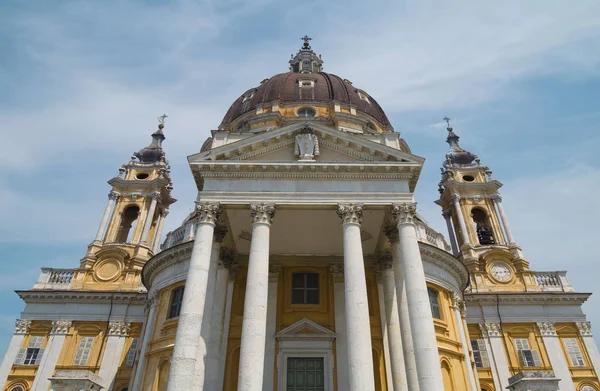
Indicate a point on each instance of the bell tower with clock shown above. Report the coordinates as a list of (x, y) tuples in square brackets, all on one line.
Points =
[(479, 231)]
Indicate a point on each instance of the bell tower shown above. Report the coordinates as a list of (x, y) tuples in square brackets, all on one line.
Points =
[(478, 228), (130, 229)]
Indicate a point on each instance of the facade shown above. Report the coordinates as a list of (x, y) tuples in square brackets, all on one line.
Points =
[(304, 266)]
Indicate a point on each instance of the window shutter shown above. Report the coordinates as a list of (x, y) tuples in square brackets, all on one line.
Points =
[(38, 359), (537, 361), (522, 358), (20, 359), (132, 352)]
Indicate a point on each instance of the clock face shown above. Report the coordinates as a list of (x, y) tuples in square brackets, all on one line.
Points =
[(500, 272)]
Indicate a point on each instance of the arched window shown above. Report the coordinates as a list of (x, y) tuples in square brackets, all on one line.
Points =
[(306, 113), (369, 127), (434, 303), (128, 220), (588, 388), (482, 226), (17, 388)]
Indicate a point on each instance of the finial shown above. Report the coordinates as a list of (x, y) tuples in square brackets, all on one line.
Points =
[(306, 40), (161, 121), (448, 122)]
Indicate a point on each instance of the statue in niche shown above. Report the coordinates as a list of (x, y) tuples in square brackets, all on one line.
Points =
[(307, 145)]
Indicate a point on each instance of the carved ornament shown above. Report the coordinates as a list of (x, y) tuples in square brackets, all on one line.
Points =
[(337, 272), (350, 214), (490, 329), (60, 326), (262, 213), (405, 213), (119, 328), (391, 232), (208, 213), (585, 328), (220, 232), (306, 145), (547, 329), (385, 261), (22, 326)]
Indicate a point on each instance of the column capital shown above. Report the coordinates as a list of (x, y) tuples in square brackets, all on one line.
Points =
[(447, 214), (490, 329), (337, 272), (455, 197), (22, 326), (155, 195), (113, 195), (164, 213), (391, 232), (497, 198), (585, 328), (151, 300), (457, 302), (262, 213), (547, 329), (118, 328), (274, 272), (208, 212), (220, 232), (405, 213), (384, 261), (350, 213), (60, 327)]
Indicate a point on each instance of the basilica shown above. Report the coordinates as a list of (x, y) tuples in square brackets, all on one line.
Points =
[(303, 267)]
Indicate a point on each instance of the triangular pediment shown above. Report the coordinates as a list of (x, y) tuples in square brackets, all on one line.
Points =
[(334, 146), (305, 328)]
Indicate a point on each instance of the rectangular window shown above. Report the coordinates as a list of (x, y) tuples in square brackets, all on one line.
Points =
[(574, 352), (32, 354), (83, 350), (480, 353), (528, 357), (176, 299), (305, 288), (305, 374), (434, 303), (133, 349)]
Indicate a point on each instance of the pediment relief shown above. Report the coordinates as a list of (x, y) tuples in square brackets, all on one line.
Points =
[(305, 328)]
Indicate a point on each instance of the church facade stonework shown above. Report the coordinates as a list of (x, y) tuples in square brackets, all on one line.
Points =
[(304, 266)]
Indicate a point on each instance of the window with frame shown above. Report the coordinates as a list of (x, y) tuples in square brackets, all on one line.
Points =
[(434, 303), (306, 113), (32, 354), (527, 357), (588, 388), (176, 300), (480, 353), (574, 352), (17, 388), (83, 351), (305, 374), (132, 353), (305, 288)]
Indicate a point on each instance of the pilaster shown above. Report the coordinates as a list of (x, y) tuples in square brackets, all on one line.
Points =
[(60, 328), (21, 329)]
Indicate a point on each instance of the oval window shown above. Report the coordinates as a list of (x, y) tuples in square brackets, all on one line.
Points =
[(306, 113), (468, 178), (142, 175)]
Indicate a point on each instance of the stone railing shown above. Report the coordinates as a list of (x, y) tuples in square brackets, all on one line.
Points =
[(553, 281), (182, 234), (54, 278), (428, 235)]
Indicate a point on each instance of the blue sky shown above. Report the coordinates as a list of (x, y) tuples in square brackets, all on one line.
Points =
[(83, 81)]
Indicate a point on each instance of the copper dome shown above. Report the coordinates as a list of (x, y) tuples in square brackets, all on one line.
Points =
[(284, 88)]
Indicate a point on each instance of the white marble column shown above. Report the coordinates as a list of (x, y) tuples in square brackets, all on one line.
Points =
[(585, 330), (408, 350), (493, 336), (149, 218), (218, 318), (269, 367), (421, 320), (358, 326), (557, 357), (113, 351), (203, 357), (108, 211), (460, 218), (254, 322), (509, 236), (226, 322), (60, 328), (159, 228), (341, 339), (448, 217), (21, 328), (136, 381), (392, 322), (188, 336), (457, 308)]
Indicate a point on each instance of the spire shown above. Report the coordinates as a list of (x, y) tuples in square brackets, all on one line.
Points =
[(153, 153), (457, 155), (306, 60)]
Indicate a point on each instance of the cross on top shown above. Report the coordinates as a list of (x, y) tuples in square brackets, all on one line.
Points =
[(161, 119), (306, 39), (447, 120)]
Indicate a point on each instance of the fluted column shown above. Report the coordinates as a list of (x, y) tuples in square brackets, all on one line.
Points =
[(21, 329), (254, 323), (111, 358), (150, 310), (149, 218), (447, 216), (392, 321), (360, 355), (421, 319), (457, 307), (509, 236), (460, 218), (59, 331), (408, 351), (112, 197), (188, 337), (558, 360)]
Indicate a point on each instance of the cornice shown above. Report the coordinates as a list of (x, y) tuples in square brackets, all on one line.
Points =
[(525, 298), (36, 296), (165, 260), (446, 261)]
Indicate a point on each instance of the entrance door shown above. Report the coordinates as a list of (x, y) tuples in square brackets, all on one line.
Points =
[(305, 374)]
